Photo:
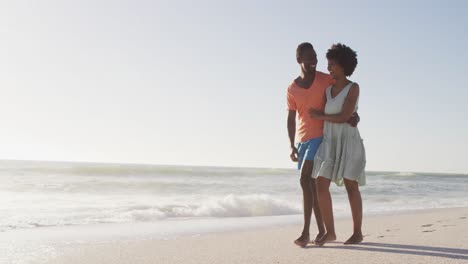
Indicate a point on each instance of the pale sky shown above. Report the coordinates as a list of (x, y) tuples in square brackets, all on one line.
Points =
[(204, 82)]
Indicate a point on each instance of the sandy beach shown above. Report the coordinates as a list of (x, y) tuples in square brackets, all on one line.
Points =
[(427, 236)]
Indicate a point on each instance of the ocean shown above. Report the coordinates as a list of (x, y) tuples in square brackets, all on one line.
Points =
[(52, 194)]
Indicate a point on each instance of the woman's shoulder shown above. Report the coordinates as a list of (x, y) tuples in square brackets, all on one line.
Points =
[(354, 89), (355, 85)]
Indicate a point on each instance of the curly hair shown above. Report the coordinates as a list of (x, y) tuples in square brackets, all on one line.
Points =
[(344, 56)]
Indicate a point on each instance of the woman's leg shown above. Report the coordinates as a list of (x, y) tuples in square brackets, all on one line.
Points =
[(326, 208), (355, 201)]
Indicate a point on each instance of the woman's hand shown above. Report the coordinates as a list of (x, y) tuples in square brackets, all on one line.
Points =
[(314, 113)]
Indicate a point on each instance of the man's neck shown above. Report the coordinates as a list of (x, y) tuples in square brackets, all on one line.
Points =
[(305, 80), (307, 76)]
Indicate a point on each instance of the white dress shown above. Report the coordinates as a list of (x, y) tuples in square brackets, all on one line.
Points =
[(341, 154)]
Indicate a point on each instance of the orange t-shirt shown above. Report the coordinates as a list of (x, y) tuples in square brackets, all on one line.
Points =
[(301, 100)]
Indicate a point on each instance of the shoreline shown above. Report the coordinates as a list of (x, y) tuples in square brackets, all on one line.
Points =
[(421, 236), (192, 226)]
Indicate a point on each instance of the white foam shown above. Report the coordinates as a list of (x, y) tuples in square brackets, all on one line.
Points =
[(41, 195)]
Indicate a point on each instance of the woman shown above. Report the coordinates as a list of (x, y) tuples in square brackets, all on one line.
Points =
[(341, 156)]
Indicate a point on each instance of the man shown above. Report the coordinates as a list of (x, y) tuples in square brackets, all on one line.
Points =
[(305, 92)]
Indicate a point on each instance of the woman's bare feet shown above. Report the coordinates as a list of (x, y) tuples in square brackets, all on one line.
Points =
[(325, 238), (302, 241), (354, 239)]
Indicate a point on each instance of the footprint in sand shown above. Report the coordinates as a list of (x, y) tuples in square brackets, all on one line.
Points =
[(428, 231), (380, 236), (428, 225), (447, 225), (463, 217)]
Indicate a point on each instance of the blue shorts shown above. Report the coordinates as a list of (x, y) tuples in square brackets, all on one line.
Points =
[(307, 150)]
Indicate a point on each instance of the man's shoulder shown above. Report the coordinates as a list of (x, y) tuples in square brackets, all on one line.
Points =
[(291, 86), (323, 75), (325, 79)]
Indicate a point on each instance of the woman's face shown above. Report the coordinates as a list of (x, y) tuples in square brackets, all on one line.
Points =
[(336, 71)]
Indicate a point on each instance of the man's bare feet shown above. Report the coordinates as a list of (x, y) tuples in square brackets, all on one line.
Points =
[(354, 239), (319, 235), (325, 238), (302, 241)]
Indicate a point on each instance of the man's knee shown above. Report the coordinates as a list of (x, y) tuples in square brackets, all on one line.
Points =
[(306, 169), (306, 181), (306, 173)]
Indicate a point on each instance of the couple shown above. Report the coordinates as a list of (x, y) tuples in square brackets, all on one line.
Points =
[(330, 147)]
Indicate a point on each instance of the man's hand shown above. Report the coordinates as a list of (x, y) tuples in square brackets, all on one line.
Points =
[(354, 119), (294, 154)]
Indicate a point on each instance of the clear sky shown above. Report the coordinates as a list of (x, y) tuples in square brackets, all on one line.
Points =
[(204, 82)]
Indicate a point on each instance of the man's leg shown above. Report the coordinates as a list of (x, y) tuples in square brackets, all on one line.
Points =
[(317, 210), (309, 195), (307, 199)]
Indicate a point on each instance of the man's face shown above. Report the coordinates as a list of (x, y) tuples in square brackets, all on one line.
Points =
[(308, 61)]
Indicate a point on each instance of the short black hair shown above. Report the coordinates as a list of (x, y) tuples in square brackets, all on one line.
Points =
[(344, 56), (303, 47)]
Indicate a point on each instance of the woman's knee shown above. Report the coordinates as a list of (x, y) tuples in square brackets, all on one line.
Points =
[(351, 186), (323, 185)]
